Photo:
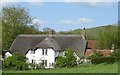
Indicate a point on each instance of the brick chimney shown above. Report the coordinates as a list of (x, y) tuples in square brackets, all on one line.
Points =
[(51, 32), (84, 33)]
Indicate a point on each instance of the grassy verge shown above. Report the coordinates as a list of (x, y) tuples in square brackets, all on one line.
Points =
[(100, 68)]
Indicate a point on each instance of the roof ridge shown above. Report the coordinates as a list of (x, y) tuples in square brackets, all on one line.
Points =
[(47, 35)]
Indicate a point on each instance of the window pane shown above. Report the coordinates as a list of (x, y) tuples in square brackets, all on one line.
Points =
[(46, 63), (42, 51), (46, 52), (32, 51)]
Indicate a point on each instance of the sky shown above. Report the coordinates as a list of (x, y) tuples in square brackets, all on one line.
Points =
[(65, 16)]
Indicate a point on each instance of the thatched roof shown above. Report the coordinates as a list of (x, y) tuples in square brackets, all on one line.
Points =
[(49, 42), (23, 43)]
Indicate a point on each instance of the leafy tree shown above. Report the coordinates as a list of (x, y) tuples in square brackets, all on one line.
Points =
[(16, 62), (15, 21), (108, 37), (48, 31), (67, 60)]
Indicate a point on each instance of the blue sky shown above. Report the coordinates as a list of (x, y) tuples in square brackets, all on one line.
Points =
[(63, 16)]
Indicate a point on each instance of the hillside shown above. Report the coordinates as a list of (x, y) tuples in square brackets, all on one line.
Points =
[(92, 33)]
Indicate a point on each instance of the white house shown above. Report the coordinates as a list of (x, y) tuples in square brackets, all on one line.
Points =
[(45, 48)]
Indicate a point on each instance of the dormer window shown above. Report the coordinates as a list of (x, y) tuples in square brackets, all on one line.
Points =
[(44, 51), (32, 51)]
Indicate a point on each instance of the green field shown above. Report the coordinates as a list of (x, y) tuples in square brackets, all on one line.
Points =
[(100, 68)]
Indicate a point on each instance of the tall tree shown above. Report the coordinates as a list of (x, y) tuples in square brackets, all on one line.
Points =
[(16, 20)]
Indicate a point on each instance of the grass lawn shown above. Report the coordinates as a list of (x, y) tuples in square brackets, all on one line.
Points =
[(100, 68)]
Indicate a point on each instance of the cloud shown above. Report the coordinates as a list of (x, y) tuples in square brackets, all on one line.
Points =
[(11, 2), (67, 22), (91, 2), (36, 3), (21, 1), (85, 20), (38, 21), (77, 21)]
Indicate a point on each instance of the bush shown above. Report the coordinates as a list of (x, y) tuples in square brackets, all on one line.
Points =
[(107, 60), (116, 55), (98, 58), (96, 55), (67, 60), (15, 62)]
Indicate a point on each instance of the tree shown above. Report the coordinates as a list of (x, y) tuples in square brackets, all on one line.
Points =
[(67, 60), (15, 21), (16, 62), (108, 37), (48, 31)]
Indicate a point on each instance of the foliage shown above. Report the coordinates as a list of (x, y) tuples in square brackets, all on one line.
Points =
[(16, 62), (116, 55), (67, 60), (61, 61), (15, 21), (97, 58), (108, 37), (48, 31), (96, 55), (107, 60), (105, 35)]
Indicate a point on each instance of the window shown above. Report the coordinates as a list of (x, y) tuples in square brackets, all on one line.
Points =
[(33, 61), (44, 63), (44, 51), (32, 51), (50, 64)]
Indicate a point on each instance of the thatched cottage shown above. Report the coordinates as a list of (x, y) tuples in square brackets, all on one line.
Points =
[(46, 48)]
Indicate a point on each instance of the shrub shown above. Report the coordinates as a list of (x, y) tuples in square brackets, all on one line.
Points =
[(96, 55), (67, 60), (98, 58), (116, 55), (15, 62), (107, 60)]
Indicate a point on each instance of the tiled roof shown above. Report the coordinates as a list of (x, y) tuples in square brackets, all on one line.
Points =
[(106, 53), (91, 44)]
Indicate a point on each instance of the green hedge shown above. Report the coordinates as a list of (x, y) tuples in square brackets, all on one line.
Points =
[(103, 60)]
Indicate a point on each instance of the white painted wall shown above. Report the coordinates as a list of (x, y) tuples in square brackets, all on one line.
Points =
[(58, 53), (38, 57)]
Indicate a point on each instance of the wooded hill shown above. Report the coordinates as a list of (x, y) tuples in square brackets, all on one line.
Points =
[(93, 33)]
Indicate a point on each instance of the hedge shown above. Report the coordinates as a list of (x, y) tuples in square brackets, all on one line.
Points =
[(103, 60)]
